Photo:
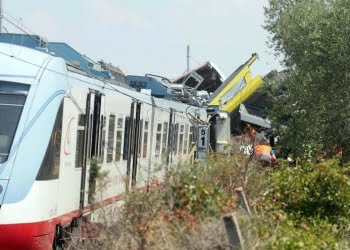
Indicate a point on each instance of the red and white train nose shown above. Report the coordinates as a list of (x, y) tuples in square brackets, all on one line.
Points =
[(31, 236)]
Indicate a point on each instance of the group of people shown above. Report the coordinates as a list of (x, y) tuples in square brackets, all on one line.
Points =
[(253, 144)]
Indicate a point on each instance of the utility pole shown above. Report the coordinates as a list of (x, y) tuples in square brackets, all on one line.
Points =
[(188, 57), (1, 16)]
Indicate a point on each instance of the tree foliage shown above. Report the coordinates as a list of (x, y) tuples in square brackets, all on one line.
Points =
[(313, 109), (310, 204)]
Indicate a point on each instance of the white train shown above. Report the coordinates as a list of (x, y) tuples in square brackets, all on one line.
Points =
[(54, 119)]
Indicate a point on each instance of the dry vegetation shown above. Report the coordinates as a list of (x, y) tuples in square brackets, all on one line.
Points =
[(303, 207)]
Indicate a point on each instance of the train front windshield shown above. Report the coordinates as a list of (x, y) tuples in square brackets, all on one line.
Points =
[(11, 106)]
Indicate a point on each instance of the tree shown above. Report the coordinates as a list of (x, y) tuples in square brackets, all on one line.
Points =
[(313, 37)]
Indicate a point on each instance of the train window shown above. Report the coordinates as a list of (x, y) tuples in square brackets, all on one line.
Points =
[(120, 123), (103, 139), (140, 137), (81, 120), (118, 141), (118, 146), (165, 139), (158, 139), (79, 151), (175, 138), (182, 128), (181, 143), (186, 139), (145, 140), (126, 138), (10, 112), (110, 141), (12, 99), (181, 139), (191, 139), (50, 166)]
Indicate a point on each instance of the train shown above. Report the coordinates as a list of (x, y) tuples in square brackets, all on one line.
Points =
[(59, 125)]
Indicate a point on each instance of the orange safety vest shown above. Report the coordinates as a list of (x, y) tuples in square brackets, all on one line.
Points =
[(263, 150)]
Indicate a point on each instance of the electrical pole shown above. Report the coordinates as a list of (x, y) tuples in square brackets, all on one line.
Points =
[(188, 57)]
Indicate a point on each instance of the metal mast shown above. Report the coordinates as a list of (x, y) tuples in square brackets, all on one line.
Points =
[(188, 57), (1, 16)]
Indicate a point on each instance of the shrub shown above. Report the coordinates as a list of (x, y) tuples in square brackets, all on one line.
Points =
[(286, 233), (312, 190), (303, 207), (308, 206)]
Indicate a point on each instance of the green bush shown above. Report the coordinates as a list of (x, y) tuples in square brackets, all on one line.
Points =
[(313, 190), (309, 207), (288, 234)]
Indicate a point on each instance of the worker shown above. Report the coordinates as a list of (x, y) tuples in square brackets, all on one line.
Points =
[(247, 141), (264, 153), (246, 146), (339, 154)]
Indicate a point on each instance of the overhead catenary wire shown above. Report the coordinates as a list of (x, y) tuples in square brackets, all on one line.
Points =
[(26, 29), (104, 85), (195, 120), (101, 83), (21, 29), (111, 87)]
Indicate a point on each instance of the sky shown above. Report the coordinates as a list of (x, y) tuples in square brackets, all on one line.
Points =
[(150, 36)]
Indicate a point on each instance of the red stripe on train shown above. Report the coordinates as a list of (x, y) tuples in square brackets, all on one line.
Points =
[(39, 235), (27, 236)]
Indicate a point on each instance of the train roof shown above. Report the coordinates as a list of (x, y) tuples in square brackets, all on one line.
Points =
[(81, 81), (72, 57), (22, 62), (212, 77)]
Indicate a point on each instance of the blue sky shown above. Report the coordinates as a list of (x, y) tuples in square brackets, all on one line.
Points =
[(150, 36)]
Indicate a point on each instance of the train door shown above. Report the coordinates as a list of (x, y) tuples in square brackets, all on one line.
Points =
[(136, 143), (132, 128), (92, 146), (98, 112), (169, 156), (97, 143)]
